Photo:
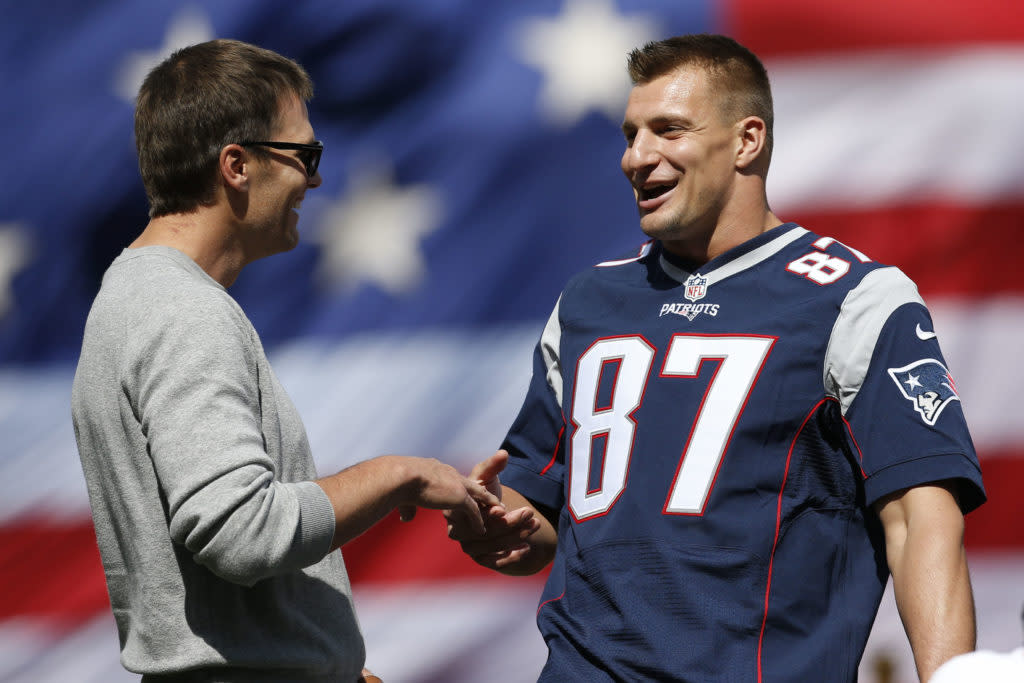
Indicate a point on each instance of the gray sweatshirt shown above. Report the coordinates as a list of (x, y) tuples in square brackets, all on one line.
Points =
[(213, 537)]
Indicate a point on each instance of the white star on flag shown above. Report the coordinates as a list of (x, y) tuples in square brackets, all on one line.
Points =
[(912, 381), (14, 253), (582, 57), (189, 27), (373, 234)]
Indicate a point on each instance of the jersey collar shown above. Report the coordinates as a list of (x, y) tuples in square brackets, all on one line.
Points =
[(737, 259)]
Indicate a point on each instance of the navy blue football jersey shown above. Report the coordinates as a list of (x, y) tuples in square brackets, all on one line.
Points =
[(713, 441)]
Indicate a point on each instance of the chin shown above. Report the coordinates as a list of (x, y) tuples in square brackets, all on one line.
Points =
[(290, 239), (285, 243), (657, 229), (289, 244), (675, 227)]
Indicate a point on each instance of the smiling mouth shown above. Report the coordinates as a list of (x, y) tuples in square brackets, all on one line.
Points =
[(652, 192)]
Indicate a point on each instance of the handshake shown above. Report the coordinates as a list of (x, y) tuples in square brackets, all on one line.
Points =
[(512, 541), (477, 510), (495, 525)]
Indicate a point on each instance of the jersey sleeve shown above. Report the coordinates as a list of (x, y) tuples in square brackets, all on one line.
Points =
[(897, 394), (536, 464)]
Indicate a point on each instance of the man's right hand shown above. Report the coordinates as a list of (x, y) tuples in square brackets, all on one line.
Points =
[(364, 493), (438, 486)]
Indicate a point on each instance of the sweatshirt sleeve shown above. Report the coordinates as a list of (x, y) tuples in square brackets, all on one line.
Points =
[(193, 380)]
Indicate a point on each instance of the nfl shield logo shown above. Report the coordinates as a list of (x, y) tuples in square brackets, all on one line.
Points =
[(696, 287)]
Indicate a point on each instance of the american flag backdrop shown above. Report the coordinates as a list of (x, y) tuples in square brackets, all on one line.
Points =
[(471, 166)]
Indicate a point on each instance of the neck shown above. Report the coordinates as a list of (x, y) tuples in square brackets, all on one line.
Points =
[(719, 239), (743, 215), (204, 236)]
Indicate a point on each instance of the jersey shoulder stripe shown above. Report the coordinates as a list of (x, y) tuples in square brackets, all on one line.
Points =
[(863, 313), (550, 342)]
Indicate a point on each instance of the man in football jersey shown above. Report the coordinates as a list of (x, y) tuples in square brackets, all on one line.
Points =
[(219, 540), (734, 435)]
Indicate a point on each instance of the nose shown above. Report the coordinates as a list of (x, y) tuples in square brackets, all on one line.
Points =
[(640, 154), (315, 181)]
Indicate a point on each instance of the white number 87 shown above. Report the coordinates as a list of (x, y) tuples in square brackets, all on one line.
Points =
[(740, 361)]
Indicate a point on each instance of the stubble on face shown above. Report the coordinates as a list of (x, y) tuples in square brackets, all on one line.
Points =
[(678, 159), (281, 182)]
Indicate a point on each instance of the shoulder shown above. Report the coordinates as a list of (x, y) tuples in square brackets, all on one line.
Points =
[(603, 286), (867, 292), (825, 261), (629, 267), (159, 291), (847, 284), (165, 277), (635, 255)]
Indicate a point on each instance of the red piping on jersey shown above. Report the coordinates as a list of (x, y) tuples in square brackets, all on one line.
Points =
[(541, 605), (778, 524), (558, 444), (860, 455)]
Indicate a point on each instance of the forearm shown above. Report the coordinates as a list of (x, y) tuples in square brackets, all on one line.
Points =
[(362, 494), (932, 585), (933, 593), (365, 493)]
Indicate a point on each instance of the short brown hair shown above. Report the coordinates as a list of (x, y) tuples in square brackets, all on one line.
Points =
[(736, 74), (196, 101)]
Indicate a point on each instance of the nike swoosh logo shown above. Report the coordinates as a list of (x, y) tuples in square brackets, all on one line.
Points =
[(922, 335)]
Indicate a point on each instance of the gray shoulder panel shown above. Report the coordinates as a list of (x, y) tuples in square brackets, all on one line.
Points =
[(864, 312), (550, 343)]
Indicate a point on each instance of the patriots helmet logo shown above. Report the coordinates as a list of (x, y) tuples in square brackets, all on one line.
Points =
[(928, 385)]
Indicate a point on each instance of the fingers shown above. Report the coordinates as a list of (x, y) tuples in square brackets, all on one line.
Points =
[(442, 487), (524, 516), (504, 542), (500, 550), (481, 495), (488, 469), (474, 515), (504, 558), (477, 500), (497, 520)]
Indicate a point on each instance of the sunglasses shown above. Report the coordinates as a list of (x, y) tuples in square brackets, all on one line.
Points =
[(309, 154)]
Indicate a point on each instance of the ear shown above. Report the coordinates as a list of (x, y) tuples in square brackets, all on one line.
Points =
[(751, 141), (235, 166)]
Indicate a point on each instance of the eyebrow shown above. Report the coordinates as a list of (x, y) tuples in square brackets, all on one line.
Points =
[(685, 122)]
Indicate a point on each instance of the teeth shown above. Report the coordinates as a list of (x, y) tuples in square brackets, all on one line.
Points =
[(655, 191)]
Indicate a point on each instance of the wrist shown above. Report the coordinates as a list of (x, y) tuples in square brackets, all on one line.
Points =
[(404, 480)]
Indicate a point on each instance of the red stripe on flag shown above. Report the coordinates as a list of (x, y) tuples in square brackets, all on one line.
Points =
[(996, 525), (946, 249), (51, 570), (793, 27)]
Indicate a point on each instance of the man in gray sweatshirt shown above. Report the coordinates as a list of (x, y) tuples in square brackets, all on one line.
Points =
[(219, 542)]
